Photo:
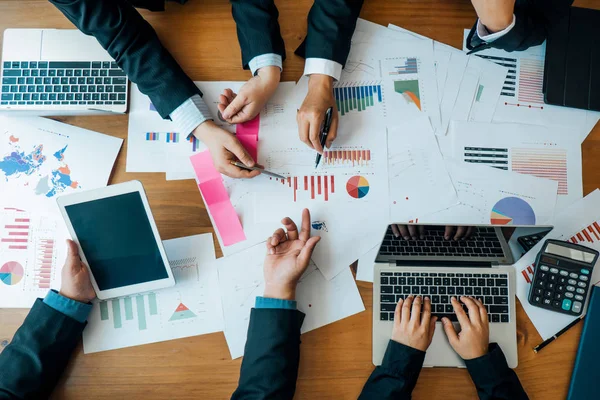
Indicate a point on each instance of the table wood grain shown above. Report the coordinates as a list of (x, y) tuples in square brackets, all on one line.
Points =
[(336, 359)]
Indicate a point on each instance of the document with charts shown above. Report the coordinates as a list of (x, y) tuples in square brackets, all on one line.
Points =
[(241, 280), (192, 307), (493, 196), (579, 223), (540, 151)]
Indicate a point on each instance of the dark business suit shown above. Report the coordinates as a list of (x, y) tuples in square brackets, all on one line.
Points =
[(31, 365), (331, 24), (533, 20)]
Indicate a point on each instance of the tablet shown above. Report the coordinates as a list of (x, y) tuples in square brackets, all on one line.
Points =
[(117, 239)]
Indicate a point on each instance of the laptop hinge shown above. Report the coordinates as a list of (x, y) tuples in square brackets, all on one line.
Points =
[(442, 263)]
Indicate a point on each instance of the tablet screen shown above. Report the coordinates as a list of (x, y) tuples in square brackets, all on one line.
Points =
[(117, 240)]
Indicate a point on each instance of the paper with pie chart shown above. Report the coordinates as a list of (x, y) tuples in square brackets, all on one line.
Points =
[(192, 307)]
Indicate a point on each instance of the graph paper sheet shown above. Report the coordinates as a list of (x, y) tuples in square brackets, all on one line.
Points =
[(540, 151), (192, 307), (579, 223)]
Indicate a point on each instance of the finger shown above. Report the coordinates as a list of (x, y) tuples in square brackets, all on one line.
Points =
[(73, 262), (470, 231), (448, 232), (450, 331), (290, 227), (223, 103), (406, 310), (235, 147), (395, 230), (412, 229), (422, 231), (415, 313), (473, 309), (332, 135), (303, 129), (229, 94), (235, 106), (426, 317), (398, 313), (314, 133), (482, 312), (278, 237), (404, 232), (234, 172), (460, 313), (305, 229), (307, 250), (270, 247), (432, 327), (72, 249), (460, 232)]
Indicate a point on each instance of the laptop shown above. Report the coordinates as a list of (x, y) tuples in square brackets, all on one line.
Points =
[(429, 265), (59, 72)]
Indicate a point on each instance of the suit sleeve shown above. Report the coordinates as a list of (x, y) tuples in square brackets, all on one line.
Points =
[(397, 375), (31, 365), (134, 45), (533, 19), (271, 356), (257, 29), (493, 378), (331, 25)]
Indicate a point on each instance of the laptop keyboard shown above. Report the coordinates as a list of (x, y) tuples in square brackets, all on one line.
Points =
[(62, 83), (491, 289), (483, 242)]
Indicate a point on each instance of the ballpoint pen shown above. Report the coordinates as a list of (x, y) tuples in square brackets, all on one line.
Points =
[(324, 132), (262, 170), (554, 337)]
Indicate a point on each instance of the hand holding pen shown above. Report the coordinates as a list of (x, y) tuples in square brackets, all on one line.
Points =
[(324, 132), (311, 114)]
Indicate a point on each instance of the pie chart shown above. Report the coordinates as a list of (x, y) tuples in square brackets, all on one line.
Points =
[(11, 273), (357, 187), (512, 211)]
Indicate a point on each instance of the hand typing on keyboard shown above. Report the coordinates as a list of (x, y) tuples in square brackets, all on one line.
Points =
[(473, 339), (411, 327)]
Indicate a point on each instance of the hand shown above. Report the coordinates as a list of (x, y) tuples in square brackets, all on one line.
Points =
[(312, 112), (242, 107), (288, 255), (409, 231), (224, 148), (495, 15), (474, 337), (410, 327), (457, 233), (76, 284)]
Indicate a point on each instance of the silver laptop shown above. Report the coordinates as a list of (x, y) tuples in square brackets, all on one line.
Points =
[(59, 72), (428, 264)]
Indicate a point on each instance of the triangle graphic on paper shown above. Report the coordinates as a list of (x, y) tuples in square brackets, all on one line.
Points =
[(182, 312)]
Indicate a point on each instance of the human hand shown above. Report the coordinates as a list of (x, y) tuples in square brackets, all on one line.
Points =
[(495, 15), (242, 107), (474, 337), (76, 284), (409, 231), (288, 256), (312, 112), (458, 232), (225, 148), (410, 327)]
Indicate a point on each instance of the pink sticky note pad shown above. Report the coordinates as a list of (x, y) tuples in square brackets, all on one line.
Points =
[(250, 144), (228, 223), (249, 128), (214, 191), (204, 167)]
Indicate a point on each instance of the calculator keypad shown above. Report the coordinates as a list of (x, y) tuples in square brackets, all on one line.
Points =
[(559, 289)]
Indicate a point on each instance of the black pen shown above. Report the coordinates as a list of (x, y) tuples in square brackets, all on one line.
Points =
[(324, 132), (553, 338)]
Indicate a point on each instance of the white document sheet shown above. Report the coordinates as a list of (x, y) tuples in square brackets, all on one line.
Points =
[(534, 150), (241, 281), (192, 307), (419, 182), (366, 265), (579, 223), (493, 196)]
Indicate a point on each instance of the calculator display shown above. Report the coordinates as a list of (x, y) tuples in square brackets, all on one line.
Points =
[(573, 254)]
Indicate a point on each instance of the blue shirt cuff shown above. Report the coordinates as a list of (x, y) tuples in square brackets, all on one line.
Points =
[(267, 302), (265, 60), (190, 114), (71, 308)]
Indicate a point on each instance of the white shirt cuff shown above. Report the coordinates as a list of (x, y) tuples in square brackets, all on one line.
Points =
[(486, 36), (190, 114), (265, 60), (323, 66)]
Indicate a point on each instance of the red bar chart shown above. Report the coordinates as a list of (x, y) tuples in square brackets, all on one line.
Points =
[(15, 234), (44, 254), (346, 157), (527, 273), (543, 163), (320, 187), (589, 234)]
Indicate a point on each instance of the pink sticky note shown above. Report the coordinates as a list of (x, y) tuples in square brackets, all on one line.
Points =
[(247, 134), (203, 167), (251, 146), (228, 223), (214, 191)]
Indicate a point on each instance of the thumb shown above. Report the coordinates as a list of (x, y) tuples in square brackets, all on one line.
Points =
[(240, 152), (234, 107), (307, 250), (450, 331), (72, 250)]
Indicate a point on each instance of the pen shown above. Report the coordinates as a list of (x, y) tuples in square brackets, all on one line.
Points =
[(324, 132), (262, 170), (553, 338)]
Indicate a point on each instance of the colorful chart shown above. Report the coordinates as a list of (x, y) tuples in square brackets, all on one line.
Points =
[(11, 273), (512, 211), (356, 98), (357, 187), (182, 312), (410, 90)]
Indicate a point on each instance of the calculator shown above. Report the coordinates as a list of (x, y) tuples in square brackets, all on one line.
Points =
[(562, 276)]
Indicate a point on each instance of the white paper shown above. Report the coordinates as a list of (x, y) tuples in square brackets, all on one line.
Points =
[(576, 224), (192, 307), (492, 196), (366, 265), (540, 151), (241, 281)]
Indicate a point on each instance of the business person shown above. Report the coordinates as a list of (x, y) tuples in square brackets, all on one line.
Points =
[(331, 24), (136, 48), (412, 333), (514, 25)]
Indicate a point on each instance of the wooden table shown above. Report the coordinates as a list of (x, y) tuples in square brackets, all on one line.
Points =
[(336, 359)]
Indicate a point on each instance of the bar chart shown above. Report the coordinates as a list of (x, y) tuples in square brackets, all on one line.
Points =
[(410, 66), (347, 157), (357, 97), (319, 186), (15, 235), (409, 89), (172, 137), (195, 142), (531, 80), (152, 136), (527, 273), (45, 261), (589, 234), (122, 310), (544, 163)]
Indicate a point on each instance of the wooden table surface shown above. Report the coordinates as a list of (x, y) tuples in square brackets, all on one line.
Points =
[(336, 359)]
